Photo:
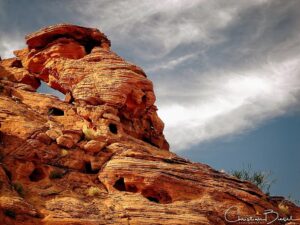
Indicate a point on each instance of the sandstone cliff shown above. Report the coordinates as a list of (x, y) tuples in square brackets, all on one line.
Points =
[(100, 156)]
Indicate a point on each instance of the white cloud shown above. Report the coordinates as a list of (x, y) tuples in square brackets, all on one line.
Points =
[(171, 64), (164, 25), (9, 44), (239, 102)]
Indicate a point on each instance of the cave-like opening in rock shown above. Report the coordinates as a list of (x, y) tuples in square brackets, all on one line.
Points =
[(88, 168), (53, 111), (153, 199), (89, 45), (113, 128), (131, 188), (158, 196), (148, 140), (17, 64), (37, 175), (120, 184)]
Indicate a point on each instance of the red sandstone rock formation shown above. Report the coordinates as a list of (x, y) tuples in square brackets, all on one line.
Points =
[(100, 156)]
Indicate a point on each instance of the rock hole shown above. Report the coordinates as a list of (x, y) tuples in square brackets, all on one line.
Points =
[(1, 138), (17, 64), (160, 196), (144, 99), (113, 128), (88, 168), (10, 213), (37, 175), (131, 188), (147, 140), (120, 184), (55, 111), (88, 119), (89, 45), (153, 199)]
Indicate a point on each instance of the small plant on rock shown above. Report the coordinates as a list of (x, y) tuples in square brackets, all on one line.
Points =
[(19, 188), (291, 199), (56, 174), (64, 152), (93, 191), (259, 178), (283, 208)]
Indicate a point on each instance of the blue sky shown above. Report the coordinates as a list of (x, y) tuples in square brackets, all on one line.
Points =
[(226, 73)]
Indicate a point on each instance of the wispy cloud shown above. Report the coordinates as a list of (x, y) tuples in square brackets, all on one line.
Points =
[(8, 45), (236, 103), (172, 63), (161, 25)]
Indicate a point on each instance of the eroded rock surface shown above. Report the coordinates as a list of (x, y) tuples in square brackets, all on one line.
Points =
[(100, 156)]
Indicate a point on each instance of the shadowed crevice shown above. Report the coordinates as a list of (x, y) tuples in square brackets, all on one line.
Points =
[(37, 175), (53, 111)]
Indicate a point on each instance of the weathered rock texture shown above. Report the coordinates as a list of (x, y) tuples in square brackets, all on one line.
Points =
[(100, 156)]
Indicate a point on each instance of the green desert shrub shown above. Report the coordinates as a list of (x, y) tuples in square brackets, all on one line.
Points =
[(283, 208), (56, 174), (293, 200), (260, 178), (93, 191), (19, 188)]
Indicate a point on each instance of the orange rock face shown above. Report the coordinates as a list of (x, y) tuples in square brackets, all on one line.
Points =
[(100, 156), (78, 61)]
